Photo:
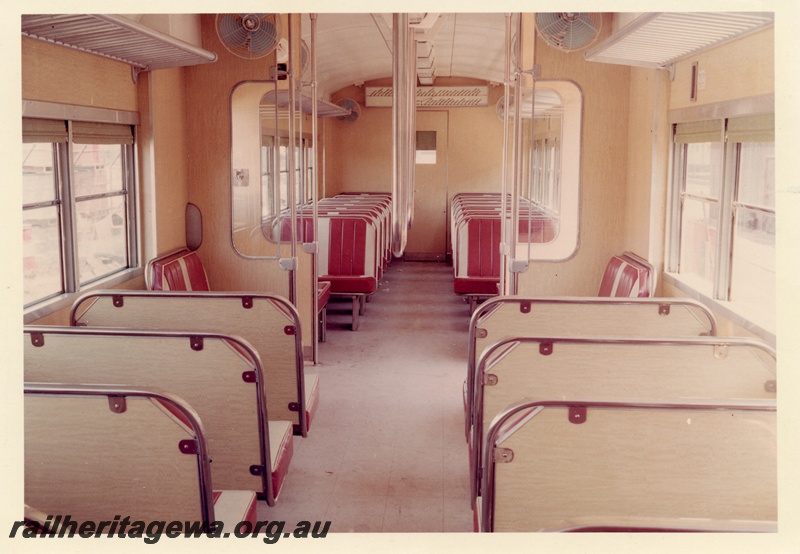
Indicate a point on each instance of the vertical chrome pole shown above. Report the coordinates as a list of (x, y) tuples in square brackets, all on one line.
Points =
[(290, 157), (513, 237), (411, 92), (314, 188), (399, 132), (506, 161), (532, 143)]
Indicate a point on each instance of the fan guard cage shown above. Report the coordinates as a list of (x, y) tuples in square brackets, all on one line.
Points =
[(305, 57), (353, 106), (250, 35), (569, 31)]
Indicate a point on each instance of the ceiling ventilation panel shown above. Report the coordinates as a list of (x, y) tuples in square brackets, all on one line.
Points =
[(657, 40)]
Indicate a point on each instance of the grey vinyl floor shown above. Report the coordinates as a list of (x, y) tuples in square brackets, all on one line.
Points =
[(386, 451)]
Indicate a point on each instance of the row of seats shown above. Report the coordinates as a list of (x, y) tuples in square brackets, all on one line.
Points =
[(618, 414), (626, 276), (224, 370), (269, 321), (354, 243), (476, 240), (232, 361), (183, 270)]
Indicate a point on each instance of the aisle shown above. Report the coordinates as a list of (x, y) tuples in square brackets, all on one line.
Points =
[(386, 451)]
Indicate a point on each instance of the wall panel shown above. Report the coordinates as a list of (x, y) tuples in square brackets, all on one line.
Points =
[(648, 154), (603, 174), (167, 93), (738, 69), (53, 73)]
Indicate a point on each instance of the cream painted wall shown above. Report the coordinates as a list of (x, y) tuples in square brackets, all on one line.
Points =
[(648, 154), (53, 73), (604, 175), (476, 147), (167, 109), (208, 127), (738, 69), (358, 154)]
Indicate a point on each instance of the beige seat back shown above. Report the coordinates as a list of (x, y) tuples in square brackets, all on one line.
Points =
[(667, 466), (690, 369), (268, 322), (92, 453), (220, 376), (517, 316)]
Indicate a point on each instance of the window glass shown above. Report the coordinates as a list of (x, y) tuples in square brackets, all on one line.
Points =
[(41, 254), (38, 173), (703, 169), (102, 237), (698, 242), (753, 269), (551, 126), (97, 169), (700, 213), (41, 224), (299, 161), (284, 175), (98, 184)]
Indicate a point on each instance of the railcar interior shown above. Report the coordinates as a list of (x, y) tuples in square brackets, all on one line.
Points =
[(451, 273)]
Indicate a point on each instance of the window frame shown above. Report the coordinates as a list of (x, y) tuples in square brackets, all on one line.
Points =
[(720, 297), (275, 176), (66, 203)]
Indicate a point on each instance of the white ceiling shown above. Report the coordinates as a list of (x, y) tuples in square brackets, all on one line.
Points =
[(354, 48)]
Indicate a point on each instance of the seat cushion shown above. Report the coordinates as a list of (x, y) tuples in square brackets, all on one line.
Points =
[(625, 277), (179, 271), (232, 507), (281, 448), (476, 285), (323, 293), (312, 396), (351, 284)]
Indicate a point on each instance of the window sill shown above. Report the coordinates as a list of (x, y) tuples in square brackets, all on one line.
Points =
[(728, 310), (65, 301)]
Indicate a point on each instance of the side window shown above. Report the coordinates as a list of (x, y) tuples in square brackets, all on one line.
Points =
[(79, 223), (723, 228)]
